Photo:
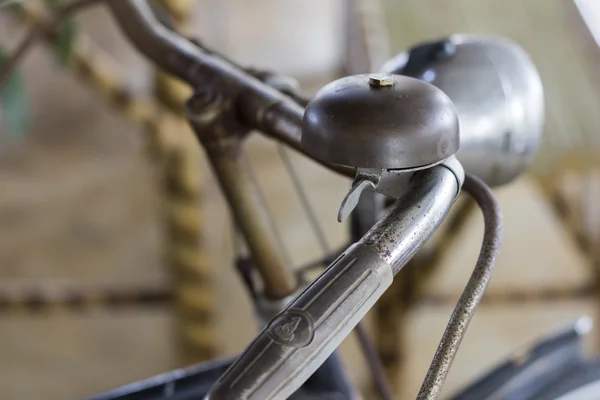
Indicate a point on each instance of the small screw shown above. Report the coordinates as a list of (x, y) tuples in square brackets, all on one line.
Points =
[(200, 100), (204, 106), (381, 80)]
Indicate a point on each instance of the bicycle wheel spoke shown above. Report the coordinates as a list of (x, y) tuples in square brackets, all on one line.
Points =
[(278, 237), (300, 192)]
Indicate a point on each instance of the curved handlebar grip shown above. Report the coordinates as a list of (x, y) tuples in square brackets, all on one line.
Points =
[(308, 330), (297, 341)]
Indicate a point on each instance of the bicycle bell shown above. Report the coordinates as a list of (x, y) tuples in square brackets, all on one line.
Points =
[(386, 126), (498, 95)]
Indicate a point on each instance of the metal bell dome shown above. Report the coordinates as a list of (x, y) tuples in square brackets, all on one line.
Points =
[(380, 121)]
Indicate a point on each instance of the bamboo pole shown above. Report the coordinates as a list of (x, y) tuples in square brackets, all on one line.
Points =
[(187, 258)]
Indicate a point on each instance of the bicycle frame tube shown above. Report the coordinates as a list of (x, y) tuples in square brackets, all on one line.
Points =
[(211, 118), (311, 327)]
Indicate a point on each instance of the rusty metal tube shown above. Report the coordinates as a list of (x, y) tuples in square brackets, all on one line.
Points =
[(210, 115), (465, 308), (409, 223), (165, 48)]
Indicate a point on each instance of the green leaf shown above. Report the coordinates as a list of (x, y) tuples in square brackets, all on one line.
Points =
[(63, 46), (65, 36), (13, 103)]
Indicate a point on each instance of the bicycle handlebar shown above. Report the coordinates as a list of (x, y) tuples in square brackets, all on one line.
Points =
[(297, 341), (262, 106), (312, 326)]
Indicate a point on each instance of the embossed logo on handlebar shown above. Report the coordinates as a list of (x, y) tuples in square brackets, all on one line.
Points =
[(294, 328)]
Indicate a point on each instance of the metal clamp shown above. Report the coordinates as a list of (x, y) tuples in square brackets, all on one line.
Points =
[(390, 182)]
